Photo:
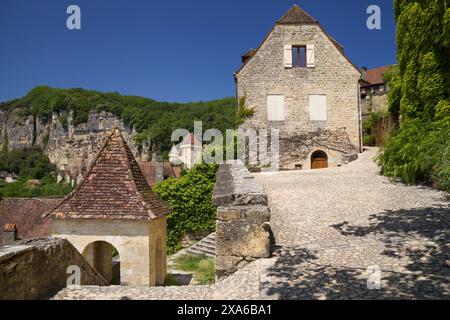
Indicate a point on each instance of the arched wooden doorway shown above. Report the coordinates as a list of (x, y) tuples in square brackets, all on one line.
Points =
[(319, 160), (104, 258)]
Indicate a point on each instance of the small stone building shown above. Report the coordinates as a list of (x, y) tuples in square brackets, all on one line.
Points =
[(300, 82), (115, 220)]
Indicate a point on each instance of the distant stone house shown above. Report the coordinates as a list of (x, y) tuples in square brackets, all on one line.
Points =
[(188, 152), (300, 82), (373, 90)]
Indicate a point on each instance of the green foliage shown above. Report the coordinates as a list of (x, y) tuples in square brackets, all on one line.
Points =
[(419, 151), (201, 265), (191, 200), (447, 28), (23, 189), (394, 83), (151, 119), (243, 112), (375, 129), (29, 163)]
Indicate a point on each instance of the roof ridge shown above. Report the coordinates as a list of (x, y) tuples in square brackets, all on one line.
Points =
[(296, 15)]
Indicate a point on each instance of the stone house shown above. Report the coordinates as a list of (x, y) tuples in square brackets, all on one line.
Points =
[(188, 152), (374, 90), (115, 220), (300, 82)]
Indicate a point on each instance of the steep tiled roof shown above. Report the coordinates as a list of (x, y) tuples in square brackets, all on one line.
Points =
[(149, 171), (296, 15), (114, 188), (190, 139)]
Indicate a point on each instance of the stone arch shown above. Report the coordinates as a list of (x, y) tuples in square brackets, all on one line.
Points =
[(319, 160), (105, 258), (159, 262)]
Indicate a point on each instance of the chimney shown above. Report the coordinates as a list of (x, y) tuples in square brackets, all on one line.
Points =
[(363, 73), (9, 233)]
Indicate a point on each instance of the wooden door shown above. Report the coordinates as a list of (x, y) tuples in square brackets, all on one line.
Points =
[(319, 160)]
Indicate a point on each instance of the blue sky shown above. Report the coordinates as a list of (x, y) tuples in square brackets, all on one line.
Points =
[(175, 50)]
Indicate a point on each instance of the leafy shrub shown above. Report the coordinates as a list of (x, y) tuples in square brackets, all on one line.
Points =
[(29, 163), (191, 200), (376, 129), (419, 152), (23, 189)]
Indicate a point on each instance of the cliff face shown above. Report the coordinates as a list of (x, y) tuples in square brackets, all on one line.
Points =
[(71, 148)]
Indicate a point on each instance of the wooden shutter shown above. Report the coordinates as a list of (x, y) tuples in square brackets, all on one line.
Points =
[(310, 56), (275, 107), (318, 107), (288, 56)]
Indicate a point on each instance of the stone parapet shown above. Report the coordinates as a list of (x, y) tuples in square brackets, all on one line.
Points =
[(37, 269), (242, 228)]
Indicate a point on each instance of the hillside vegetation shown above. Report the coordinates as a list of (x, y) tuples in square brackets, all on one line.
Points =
[(419, 150), (151, 119)]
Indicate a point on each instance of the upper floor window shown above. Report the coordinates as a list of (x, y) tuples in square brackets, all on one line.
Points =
[(299, 56)]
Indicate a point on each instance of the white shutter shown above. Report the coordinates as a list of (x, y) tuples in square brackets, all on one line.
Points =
[(318, 107), (310, 56), (288, 56), (275, 108)]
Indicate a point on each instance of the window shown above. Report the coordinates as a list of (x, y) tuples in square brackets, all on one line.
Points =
[(275, 107), (299, 56), (318, 107)]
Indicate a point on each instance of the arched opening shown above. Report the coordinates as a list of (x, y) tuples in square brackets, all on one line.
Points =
[(104, 258), (319, 160), (159, 260)]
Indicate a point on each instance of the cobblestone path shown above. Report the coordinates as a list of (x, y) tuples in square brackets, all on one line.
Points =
[(339, 228), (341, 233)]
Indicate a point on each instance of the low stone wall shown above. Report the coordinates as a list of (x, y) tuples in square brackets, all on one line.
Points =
[(37, 269), (242, 229)]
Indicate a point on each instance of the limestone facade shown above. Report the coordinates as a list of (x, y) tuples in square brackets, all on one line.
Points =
[(328, 73)]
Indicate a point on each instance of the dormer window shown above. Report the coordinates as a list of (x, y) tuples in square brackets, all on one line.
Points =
[(299, 56)]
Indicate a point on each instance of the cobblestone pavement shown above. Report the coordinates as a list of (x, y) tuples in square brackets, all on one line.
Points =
[(337, 228), (243, 285), (338, 231)]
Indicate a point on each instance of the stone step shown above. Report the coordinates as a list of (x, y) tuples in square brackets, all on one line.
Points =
[(205, 247), (193, 250)]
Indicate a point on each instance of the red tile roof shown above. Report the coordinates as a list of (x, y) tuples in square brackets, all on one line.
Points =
[(114, 188), (375, 76), (191, 139), (149, 171), (26, 214)]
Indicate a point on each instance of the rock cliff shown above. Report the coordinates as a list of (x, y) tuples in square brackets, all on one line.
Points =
[(70, 147)]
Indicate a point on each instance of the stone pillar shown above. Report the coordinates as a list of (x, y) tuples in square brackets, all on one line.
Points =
[(9, 233), (103, 259), (243, 231)]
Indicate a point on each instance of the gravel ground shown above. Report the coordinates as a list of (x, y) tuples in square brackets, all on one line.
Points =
[(341, 233)]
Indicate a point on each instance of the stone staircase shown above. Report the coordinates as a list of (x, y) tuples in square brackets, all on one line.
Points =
[(207, 246)]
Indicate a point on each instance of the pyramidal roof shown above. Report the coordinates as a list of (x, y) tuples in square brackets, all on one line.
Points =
[(296, 15), (113, 188)]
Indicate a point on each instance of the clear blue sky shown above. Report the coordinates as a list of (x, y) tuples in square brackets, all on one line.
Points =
[(171, 50)]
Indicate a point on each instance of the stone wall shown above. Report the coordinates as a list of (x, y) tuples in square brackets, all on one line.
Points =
[(333, 76), (375, 103), (242, 228), (37, 269)]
